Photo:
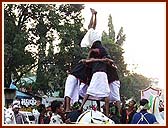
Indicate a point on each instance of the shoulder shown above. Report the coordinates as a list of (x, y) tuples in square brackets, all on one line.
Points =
[(149, 114), (137, 113)]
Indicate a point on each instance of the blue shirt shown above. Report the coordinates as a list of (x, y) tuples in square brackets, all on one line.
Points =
[(143, 117)]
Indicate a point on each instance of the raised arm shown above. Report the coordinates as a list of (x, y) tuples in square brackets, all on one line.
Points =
[(96, 59)]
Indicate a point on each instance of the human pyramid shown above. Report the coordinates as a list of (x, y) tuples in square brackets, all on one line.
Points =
[(97, 74), (93, 78)]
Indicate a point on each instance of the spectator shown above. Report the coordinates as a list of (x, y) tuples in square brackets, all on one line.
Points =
[(114, 113), (41, 109), (74, 114), (143, 117), (58, 114), (128, 112), (19, 117)]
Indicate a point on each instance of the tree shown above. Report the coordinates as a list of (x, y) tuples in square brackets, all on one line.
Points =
[(120, 37), (114, 49), (17, 60), (130, 82), (35, 25), (111, 28), (134, 83), (70, 51)]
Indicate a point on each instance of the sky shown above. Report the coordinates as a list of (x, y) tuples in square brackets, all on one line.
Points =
[(145, 27)]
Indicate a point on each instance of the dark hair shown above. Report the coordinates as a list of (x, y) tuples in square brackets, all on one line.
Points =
[(94, 54), (143, 102), (95, 44), (134, 101), (55, 105)]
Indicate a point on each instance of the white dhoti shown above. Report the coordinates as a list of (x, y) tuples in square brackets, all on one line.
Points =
[(83, 89), (99, 86), (72, 88), (90, 37), (114, 91), (82, 92)]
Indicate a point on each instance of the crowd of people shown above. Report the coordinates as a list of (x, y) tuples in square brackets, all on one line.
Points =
[(93, 78), (130, 113)]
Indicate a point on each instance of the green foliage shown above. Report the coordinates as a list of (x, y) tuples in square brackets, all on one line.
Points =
[(17, 60), (39, 25), (111, 28), (130, 82), (120, 37), (27, 24)]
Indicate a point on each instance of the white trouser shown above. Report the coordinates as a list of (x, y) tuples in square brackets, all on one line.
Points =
[(72, 88)]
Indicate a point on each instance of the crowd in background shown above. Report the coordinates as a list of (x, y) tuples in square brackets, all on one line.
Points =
[(130, 113)]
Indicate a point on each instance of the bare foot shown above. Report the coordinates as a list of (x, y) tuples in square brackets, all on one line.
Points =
[(93, 11)]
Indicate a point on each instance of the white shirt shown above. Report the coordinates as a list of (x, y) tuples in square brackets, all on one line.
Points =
[(56, 119)]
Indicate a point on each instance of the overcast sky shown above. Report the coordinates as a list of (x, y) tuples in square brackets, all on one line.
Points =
[(145, 28)]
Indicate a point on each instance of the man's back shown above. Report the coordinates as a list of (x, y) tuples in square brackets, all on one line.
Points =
[(143, 118)]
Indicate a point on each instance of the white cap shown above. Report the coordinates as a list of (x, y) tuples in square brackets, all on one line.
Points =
[(16, 106), (16, 102)]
